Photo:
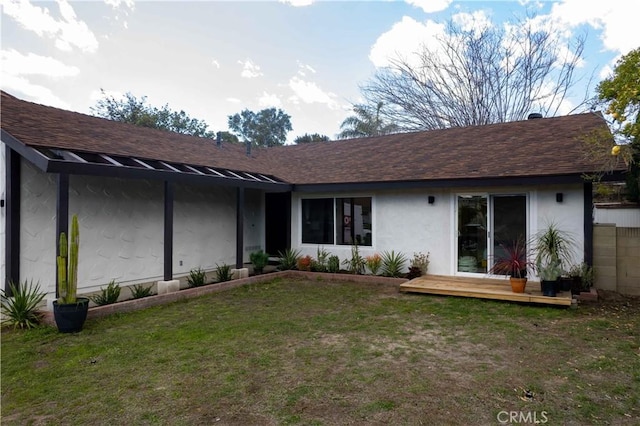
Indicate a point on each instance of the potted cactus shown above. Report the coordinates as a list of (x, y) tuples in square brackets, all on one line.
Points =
[(69, 311)]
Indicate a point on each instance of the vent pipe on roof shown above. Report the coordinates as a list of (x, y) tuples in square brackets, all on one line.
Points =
[(248, 148), (218, 139), (534, 115)]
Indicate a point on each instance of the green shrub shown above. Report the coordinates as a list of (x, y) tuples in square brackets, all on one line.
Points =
[(356, 264), (393, 263), (320, 262), (197, 277), (20, 310), (107, 295), (333, 264), (259, 259), (223, 273), (288, 259), (138, 291)]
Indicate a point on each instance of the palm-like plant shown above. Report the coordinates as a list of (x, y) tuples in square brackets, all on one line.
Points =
[(367, 121), (553, 249), (513, 260)]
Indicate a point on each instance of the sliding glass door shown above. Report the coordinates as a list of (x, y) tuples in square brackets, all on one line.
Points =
[(472, 233), (485, 224)]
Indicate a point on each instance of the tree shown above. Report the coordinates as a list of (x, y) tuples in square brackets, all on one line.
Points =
[(621, 92), (476, 76), (136, 111), (307, 138), (268, 127), (227, 137), (367, 121)]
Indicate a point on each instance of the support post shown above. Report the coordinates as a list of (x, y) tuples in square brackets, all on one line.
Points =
[(62, 213), (240, 228), (12, 224), (168, 231), (588, 223)]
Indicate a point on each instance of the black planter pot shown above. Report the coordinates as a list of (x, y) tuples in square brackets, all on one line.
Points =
[(70, 317), (576, 285), (565, 283), (548, 288)]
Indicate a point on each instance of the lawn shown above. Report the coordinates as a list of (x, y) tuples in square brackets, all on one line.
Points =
[(317, 352)]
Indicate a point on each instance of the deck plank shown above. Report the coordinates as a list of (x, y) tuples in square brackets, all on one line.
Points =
[(483, 289)]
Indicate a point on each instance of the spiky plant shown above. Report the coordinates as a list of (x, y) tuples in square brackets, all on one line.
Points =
[(21, 308), (67, 263)]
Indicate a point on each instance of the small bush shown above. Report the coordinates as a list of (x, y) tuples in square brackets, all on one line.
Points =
[(304, 263), (107, 295), (333, 264), (197, 277), (223, 273), (138, 291), (393, 263), (421, 261), (259, 259), (288, 259), (320, 263), (414, 272), (21, 309), (356, 264), (373, 263)]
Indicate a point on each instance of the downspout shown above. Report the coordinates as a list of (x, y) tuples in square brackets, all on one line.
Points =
[(12, 224)]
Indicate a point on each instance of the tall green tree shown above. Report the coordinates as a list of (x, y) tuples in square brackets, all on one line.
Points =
[(268, 127), (366, 121), (307, 138), (621, 93), (133, 110)]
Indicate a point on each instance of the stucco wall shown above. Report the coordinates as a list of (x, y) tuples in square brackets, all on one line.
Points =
[(121, 228), (3, 210), (405, 221)]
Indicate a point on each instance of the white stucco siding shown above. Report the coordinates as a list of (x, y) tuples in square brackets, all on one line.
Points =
[(204, 227), (567, 215), (122, 228), (3, 210), (37, 227), (404, 221)]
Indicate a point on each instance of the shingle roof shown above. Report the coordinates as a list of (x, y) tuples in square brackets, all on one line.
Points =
[(529, 148)]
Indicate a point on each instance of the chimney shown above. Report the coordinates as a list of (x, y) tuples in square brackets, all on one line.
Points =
[(248, 148), (534, 115), (218, 139)]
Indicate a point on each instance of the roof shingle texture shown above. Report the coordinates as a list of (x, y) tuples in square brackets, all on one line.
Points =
[(539, 147)]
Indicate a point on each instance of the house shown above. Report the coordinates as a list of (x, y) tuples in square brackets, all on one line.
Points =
[(153, 205)]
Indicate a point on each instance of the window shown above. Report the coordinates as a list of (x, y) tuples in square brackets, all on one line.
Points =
[(352, 221), (354, 224), (317, 221)]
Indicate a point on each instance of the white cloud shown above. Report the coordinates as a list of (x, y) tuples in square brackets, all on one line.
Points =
[(67, 33), (249, 69), (297, 3), (614, 19), (269, 100), (477, 21), (309, 92), (35, 92), (117, 3), (233, 100), (215, 63), (404, 39), (430, 6), (16, 64), (303, 68)]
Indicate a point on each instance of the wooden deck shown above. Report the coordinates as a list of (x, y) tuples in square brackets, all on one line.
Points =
[(482, 288)]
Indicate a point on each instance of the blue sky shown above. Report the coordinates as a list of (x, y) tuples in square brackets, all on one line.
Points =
[(216, 58)]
